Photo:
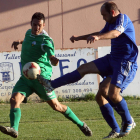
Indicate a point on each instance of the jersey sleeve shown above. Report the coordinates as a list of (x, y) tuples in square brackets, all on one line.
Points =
[(121, 23), (105, 29), (48, 47)]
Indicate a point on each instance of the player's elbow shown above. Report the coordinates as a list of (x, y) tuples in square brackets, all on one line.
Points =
[(116, 34)]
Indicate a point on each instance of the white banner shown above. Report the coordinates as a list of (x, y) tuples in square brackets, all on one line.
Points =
[(70, 60), (133, 87)]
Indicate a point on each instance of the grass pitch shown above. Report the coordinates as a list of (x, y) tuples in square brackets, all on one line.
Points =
[(40, 122)]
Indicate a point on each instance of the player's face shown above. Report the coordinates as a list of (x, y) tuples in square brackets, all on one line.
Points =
[(37, 26), (106, 15)]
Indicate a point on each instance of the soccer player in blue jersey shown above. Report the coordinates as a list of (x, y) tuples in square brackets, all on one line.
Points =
[(118, 68)]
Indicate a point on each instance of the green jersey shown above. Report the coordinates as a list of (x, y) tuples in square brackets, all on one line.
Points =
[(38, 48)]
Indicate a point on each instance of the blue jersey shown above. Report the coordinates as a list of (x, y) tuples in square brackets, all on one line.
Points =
[(124, 46)]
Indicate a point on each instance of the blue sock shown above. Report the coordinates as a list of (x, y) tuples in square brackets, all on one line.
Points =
[(66, 79), (124, 112), (108, 115)]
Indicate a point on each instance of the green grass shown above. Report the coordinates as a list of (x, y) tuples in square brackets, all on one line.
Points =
[(40, 122)]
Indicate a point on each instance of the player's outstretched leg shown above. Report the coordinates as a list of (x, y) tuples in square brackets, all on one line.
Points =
[(9, 131), (61, 81), (46, 83)]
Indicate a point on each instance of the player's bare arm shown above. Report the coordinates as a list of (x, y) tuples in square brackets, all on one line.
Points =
[(54, 60), (16, 43), (103, 36), (83, 37)]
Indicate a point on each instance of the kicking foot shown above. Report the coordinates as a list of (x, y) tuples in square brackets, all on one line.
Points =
[(46, 83)]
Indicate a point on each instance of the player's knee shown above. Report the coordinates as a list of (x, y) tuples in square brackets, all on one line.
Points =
[(113, 97), (98, 97), (13, 101), (58, 107), (83, 69), (55, 107), (103, 91)]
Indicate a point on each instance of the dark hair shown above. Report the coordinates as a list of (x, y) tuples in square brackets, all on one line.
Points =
[(111, 6), (39, 16)]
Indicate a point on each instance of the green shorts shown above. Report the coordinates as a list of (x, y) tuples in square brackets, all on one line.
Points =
[(28, 87)]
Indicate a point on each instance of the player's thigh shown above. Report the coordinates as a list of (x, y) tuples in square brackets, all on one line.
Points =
[(17, 97), (103, 65), (88, 68), (22, 87), (99, 66)]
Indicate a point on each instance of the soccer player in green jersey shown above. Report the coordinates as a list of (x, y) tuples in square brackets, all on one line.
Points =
[(37, 47)]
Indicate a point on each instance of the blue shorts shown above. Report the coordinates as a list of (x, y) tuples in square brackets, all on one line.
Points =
[(122, 72)]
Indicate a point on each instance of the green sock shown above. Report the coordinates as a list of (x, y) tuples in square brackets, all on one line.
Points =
[(15, 115), (71, 116)]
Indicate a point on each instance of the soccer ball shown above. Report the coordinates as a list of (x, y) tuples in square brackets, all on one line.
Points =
[(30, 70)]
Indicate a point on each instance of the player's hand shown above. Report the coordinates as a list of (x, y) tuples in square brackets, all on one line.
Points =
[(73, 38), (54, 60), (15, 44), (92, 39)]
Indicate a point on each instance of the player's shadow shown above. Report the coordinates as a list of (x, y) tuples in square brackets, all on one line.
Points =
[(9, 5), (17, 4), (22, 3), (29, 138), (97, 119)]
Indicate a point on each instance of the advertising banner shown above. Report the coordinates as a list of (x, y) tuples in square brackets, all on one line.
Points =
[(9, 73)]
